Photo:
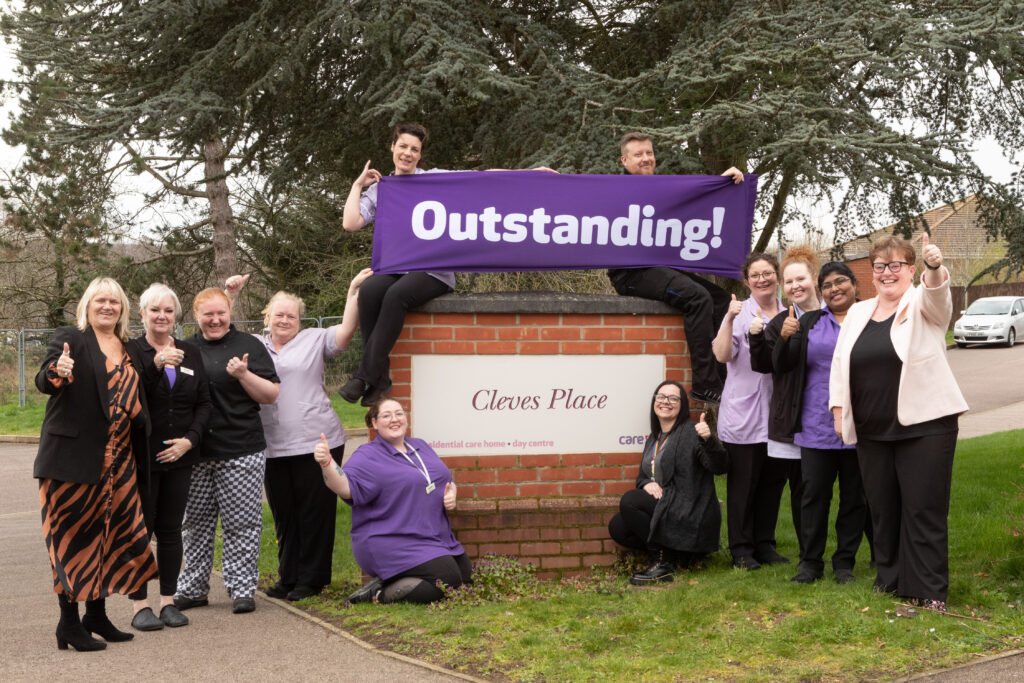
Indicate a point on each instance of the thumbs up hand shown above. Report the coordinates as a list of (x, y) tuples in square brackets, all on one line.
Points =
[(169, 356), (65, 364), (233, 285), (237, 368), (757, 323), (790, 325), (734, 308), (322, 453), (930, 253), (449, 496), (703, 431)]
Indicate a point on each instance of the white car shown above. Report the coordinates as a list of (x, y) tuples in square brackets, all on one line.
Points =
[(991, 320)]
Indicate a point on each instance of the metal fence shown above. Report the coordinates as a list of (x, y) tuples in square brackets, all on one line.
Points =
[(22, 353)]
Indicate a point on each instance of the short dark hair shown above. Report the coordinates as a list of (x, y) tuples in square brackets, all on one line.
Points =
[(374, 409), (835, 267), (414, 129), (635, 136), (684, 408), (756, 256)]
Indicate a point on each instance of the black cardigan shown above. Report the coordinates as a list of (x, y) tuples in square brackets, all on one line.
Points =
[(787, 376), (688, 516), (181, 411), (74, 435)]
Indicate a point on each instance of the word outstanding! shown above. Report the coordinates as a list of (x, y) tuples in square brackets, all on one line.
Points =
[(431, 220)]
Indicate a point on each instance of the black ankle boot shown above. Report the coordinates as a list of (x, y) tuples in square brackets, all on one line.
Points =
[(661, 570), (70, 630), (96, 621)]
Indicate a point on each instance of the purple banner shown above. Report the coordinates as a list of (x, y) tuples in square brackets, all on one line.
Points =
[(498, 221)]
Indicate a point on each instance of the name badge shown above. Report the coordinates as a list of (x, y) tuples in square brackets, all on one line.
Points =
[(430, 488), (185, 371)]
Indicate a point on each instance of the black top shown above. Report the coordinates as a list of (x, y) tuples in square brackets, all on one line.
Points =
[(76, 424), (875, 370), (178, 411), (234, 428)]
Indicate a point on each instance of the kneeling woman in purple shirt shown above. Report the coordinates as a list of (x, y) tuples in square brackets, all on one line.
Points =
[(400, 493)]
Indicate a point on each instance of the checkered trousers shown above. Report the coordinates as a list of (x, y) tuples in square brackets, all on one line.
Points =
[(232, 489)]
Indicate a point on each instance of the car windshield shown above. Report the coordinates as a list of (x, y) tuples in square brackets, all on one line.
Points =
[(989, 307)]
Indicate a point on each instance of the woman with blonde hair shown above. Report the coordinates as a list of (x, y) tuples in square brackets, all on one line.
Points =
[(91, 465), (304, 510)]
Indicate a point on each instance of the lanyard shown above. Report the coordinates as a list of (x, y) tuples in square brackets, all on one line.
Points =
[(422, 468), (658, 443)]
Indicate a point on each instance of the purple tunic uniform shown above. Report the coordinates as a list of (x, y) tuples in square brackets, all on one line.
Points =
[(743, 415), (816, 421), (396, 524)]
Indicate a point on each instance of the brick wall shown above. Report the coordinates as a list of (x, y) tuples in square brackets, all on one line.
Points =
[(549, 510)]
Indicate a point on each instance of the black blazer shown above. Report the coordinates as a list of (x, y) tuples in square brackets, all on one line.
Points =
[(179, 411), (75, 425)]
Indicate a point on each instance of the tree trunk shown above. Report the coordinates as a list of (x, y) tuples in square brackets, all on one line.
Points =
[(225, 255), (778, 205)]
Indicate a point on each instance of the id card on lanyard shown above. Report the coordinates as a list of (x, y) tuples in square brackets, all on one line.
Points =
[(422, 468)]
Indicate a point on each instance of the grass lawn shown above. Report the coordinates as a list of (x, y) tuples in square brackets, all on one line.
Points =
[(28, 420), (720, 623)]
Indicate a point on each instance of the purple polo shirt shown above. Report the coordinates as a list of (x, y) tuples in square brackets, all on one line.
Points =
[(743, 415), (293, 423), (368, 210), (816, 422), (396, 524)]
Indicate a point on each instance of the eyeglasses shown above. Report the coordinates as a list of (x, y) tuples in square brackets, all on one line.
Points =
[(398, 415), (835, 283), (893, 266), (766, 275), (663, 398)]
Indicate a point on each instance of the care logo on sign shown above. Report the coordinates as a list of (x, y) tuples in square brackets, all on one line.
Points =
[(495, 405)]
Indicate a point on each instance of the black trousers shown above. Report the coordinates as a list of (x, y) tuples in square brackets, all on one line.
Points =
[(304, 513), (703, 305), (632, 525), (907, 485), (419, 584), (164, 508), (775, 474), (821, 467), (752, 498), (383, 303)]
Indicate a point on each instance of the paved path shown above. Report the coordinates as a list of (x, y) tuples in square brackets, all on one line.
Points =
[(273, 643)]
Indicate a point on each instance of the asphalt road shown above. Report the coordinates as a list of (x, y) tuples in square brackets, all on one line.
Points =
[(989, 376)]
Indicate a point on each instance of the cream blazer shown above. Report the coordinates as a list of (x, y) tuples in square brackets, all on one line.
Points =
[(928, 389)]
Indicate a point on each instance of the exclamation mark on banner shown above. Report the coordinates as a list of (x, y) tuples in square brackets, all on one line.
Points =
[(718, 215)]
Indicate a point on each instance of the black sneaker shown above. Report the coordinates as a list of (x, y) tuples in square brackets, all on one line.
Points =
[(184, 602), (657, 573), (243, 605), (353, 390), (302, 592), (712, 397), (367, 593)]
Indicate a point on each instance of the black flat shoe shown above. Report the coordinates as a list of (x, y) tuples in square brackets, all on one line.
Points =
[(367, 593), (183, 602), (353, 390), (771, 558), (746, 562), (374, 394), (101, 626), (171, 616), (278, 590), (844, 575), (243, 605), (806, 576), (145, 620), (301, 592), (712, 397)]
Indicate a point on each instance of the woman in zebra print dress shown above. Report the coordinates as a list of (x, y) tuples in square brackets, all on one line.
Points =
[(92, 464)]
